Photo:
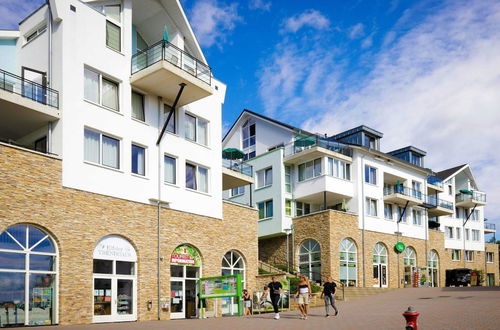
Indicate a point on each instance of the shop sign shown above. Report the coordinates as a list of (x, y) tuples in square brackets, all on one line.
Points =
[(185, 255), (220, 286), (399, 247), (115, 248)]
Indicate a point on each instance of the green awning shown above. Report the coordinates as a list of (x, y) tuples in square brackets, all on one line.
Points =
[(232, 153), (305, 142), (465, 191), (165, 33)]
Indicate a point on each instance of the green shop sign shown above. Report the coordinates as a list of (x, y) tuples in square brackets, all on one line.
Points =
[(185, 255), (399, 247), (220, 286)]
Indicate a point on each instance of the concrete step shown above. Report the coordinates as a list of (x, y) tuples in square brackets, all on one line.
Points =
[(354, 293)]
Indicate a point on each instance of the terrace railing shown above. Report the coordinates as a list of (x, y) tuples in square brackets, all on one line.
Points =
[(435, 181), (433, 201), (238, 166), (164, 50), (28, 89), (474, 195), (316, 141), (489, 226), (400, 189)]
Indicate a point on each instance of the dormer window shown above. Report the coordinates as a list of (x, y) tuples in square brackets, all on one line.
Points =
[(370, 142)]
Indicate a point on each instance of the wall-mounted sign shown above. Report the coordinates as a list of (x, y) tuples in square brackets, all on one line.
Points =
[(220, 286), (115, 248), (399, 247), (185, 255)]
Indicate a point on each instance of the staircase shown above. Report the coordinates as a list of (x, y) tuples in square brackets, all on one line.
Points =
[(271, 269), (352, 293)]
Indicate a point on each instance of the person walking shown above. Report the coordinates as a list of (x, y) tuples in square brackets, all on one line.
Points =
[(247, 302), (274, 289), (303, 294), (329, 295)]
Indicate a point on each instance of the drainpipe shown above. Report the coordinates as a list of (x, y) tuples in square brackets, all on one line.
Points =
[(160, 103), (363, 219), (49, 73)]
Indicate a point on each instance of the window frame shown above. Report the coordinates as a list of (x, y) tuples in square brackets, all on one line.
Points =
[(197, 177), (490, 256), (144, 148), (239, 191), (449, 232), (175, 169), (100, 162), (288, 179), (265, 173), (369, 206), (304, 208), (114, 22), (35, 32), (311, 164), (264, 205), (100, 89), (386, 205), (469, 256), (143, 99), (288, 207), (197, 120), (341, 166), (368, 174), (476, 235), (455, 255), (417, 220)]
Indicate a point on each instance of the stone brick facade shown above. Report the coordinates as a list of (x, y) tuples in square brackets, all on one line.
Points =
[(32, 193), (328, 228)]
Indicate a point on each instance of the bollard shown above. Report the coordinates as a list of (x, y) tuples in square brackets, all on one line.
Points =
[(411, 316)]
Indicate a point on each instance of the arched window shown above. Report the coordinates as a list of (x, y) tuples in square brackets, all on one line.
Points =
[(310, 260), (232, 264), (433, 268), (28, 273), (380, 265), (348, 262), (410, 257)]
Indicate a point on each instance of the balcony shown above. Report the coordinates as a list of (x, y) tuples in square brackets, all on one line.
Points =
[(25, 106), (468, 199), (399, 194), (160, 69), (324, 188), (438, 207), (489, 228), (236, 174), (436, 184), (311, 147)]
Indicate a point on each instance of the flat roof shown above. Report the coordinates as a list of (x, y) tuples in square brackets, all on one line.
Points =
[(362, 128)]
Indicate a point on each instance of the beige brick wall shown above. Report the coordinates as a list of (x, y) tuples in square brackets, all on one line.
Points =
[(273, 250), (31, 192)]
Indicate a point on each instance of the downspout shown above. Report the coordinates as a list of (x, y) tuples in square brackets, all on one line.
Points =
[(49, 80), (363, 220), (427, 230), (160, 102)]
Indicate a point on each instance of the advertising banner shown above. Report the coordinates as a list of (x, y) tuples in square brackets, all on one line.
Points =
[(220, 286), (185, 255)]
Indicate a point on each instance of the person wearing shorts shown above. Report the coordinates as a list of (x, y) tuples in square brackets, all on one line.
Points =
[(247, 302), (303, 294)]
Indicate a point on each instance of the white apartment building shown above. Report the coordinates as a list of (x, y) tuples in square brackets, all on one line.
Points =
[(105, 81)]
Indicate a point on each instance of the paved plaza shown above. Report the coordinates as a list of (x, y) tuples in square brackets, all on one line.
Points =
[(440, 308)]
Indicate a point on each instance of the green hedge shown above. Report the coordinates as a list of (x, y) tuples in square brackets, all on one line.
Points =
[(294, 284)]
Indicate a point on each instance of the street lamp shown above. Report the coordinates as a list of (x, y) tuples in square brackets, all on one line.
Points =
[(287, 232)]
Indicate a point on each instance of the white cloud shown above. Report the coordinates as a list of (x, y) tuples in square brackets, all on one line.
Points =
[(309, 18), (260, 4), (213, 21), (368, 41), (357, 31), (435, 86), (14, 11)]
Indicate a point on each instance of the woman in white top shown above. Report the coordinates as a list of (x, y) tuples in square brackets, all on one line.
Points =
[(303, 294)]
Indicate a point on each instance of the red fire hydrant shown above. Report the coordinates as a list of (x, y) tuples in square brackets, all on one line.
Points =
[(411, 316)]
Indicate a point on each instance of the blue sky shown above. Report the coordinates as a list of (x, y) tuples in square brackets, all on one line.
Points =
[(425, 73)]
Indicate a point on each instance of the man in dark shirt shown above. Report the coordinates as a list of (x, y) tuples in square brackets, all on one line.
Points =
[(329, 295), (274, 289)]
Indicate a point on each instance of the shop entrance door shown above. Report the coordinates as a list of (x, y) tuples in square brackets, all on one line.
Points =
[(380, 274), (114, 299), (184, 292)]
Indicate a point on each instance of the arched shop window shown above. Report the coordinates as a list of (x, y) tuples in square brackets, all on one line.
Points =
[(410, 257), (310, 260), (380, 265), (348, 262), (28, 274), (115, 280), (433, 268), (232, 264)]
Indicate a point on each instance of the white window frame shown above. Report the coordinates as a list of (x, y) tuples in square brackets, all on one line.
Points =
[(301, 208), (265, 173), (476, 234), (197, 177), (370, 177), (469, 255), (114, 22), (288, 207), (455, 255), (101, 134), (458, 232), (489, 257), (99, 93), (310, 165), (143, 106), (197, 121), (369, 206), (35, 33), (175, 169), (417, 217), (249, 150), (238, 191), (145, 158), (475, 216), (264, 204), (288, 179), (386, 205), (343, 169), (467, 234), (449, 232), (400, 209)]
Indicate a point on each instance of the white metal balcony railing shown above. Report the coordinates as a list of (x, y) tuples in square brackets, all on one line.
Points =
[(467, 195)]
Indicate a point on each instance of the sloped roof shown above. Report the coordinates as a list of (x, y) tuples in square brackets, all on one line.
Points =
[(447, 173)]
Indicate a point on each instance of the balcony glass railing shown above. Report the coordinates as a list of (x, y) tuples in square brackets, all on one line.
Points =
[(305, 143), (489, 226), (28, 89), (434, 202), (238, 166), (435, 181), (164, 50), (471, 195), (400, 189)]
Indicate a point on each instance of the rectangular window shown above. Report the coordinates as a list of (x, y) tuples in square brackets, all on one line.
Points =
[(417, 217), (190, 127), (170, 170), (310, 169), (371, 206), (455, 255), (475, 215), (302, 208), (400, 214), (288, 208), (138, 160), (475, 235), (388, 211), (238, 191), (339, 169), (265, 209), (450, 190), (467, 234), (265, 177), (100, 90), (469, 255), (288, 179), (196, 177), (457, 212), (169, 111), (248, 135), (196, 129), (138, 106), (101, 149), (449, 232), (31, 36), (459, 232), (370, 174), (489, 257), (113, 36), (465, 213)]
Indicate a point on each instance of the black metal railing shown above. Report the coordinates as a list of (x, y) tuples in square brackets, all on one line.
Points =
[(238, 166), (434, 202), (400, 189), (304, 143), (164, 50), (489, 226), (28, 89), (435, 181), (471, 196)]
